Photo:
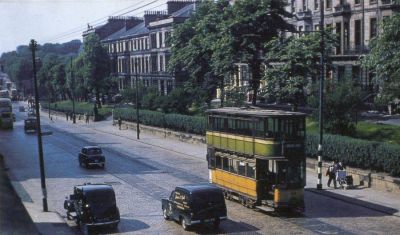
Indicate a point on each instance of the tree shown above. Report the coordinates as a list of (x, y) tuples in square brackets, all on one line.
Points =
[(96, 65), (341, 105), (254, 23), (384, 58), (291, 62), (194, 44)]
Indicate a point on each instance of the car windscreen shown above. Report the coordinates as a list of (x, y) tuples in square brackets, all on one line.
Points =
[(101, 198), (207, 200), (94, 151)]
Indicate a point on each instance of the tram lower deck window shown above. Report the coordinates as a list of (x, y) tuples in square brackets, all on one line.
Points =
[(218, 163), (250, 170), (225, 164), (241, 168)]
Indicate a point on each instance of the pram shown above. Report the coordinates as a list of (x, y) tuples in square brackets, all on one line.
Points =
[(343, 179)]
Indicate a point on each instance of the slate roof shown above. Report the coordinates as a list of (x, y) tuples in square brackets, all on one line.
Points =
[(142, 29), (123, 33)]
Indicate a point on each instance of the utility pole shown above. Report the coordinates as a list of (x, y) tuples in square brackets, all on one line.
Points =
[(73, 95), (321, 94), (137, 102), (33, 46)]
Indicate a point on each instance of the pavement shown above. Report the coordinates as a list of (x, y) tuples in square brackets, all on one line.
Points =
[(52, 223), (11, 204)]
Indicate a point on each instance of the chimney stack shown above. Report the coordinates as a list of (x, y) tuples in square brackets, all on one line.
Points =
[(151, 16)]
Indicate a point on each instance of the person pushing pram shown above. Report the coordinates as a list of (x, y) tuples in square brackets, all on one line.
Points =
[(342, 178)]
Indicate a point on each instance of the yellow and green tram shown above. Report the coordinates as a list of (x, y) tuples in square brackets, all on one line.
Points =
[(257, 156)]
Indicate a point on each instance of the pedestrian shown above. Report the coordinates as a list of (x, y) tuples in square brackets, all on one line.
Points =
[(331, 173), (340, 166), (66, 116), (87, 118), (119, 122)]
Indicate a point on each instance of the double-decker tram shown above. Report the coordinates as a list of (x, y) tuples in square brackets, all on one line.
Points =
[(257, 156)]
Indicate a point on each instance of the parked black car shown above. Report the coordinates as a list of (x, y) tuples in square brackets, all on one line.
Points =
[(195, 204), (93, 205), (91, 156), (30, 124)]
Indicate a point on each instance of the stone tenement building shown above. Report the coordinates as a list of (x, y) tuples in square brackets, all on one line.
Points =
[(355, 21), (139, 46)]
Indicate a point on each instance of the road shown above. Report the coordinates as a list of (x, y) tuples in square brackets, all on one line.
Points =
[(142, 174)]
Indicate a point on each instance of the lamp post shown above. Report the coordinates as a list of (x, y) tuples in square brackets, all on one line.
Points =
[(321, 94), (73, 95), (137, 101), (33, 46)]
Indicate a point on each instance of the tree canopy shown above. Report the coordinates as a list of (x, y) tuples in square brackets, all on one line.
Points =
[(384, 58), (218, 35)]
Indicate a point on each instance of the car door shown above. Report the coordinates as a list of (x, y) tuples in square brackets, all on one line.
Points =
[(178, 204), (172, 206)]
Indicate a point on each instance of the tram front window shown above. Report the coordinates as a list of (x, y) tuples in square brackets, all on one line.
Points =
[(291, 175)]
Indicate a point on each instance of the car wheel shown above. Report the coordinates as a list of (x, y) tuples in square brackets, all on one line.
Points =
[(165, 214), (78, 221), (102, 166), (114, 226), (216, 223), (86, 165), (184, 224)]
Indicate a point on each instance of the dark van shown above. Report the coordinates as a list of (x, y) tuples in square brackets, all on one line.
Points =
[(195, 204), (30, 124), (93, 205)]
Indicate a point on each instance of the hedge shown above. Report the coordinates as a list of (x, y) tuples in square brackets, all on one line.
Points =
[(80, 108), (190, 124), (377, 156)]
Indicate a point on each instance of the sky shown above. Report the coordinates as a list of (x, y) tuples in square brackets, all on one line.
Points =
[(57, 21)]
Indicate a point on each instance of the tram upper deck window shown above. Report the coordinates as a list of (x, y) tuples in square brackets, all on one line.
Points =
[(244, 127), (259, 127), (217, 123), (289, 127)]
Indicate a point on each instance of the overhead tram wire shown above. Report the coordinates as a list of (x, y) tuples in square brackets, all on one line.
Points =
[(69, 34), (78, 32), (66, 35), (93, 22)]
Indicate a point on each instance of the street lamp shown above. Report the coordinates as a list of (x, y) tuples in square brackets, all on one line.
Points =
[(137, 100), (73, 95), (33, 46), (321, 95)]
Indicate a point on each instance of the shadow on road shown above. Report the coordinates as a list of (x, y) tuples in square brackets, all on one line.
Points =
[(332, 204)]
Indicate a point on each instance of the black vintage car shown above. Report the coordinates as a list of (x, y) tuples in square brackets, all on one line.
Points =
[(93, 205), (30, 124), (195, 204), (91, 156)]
